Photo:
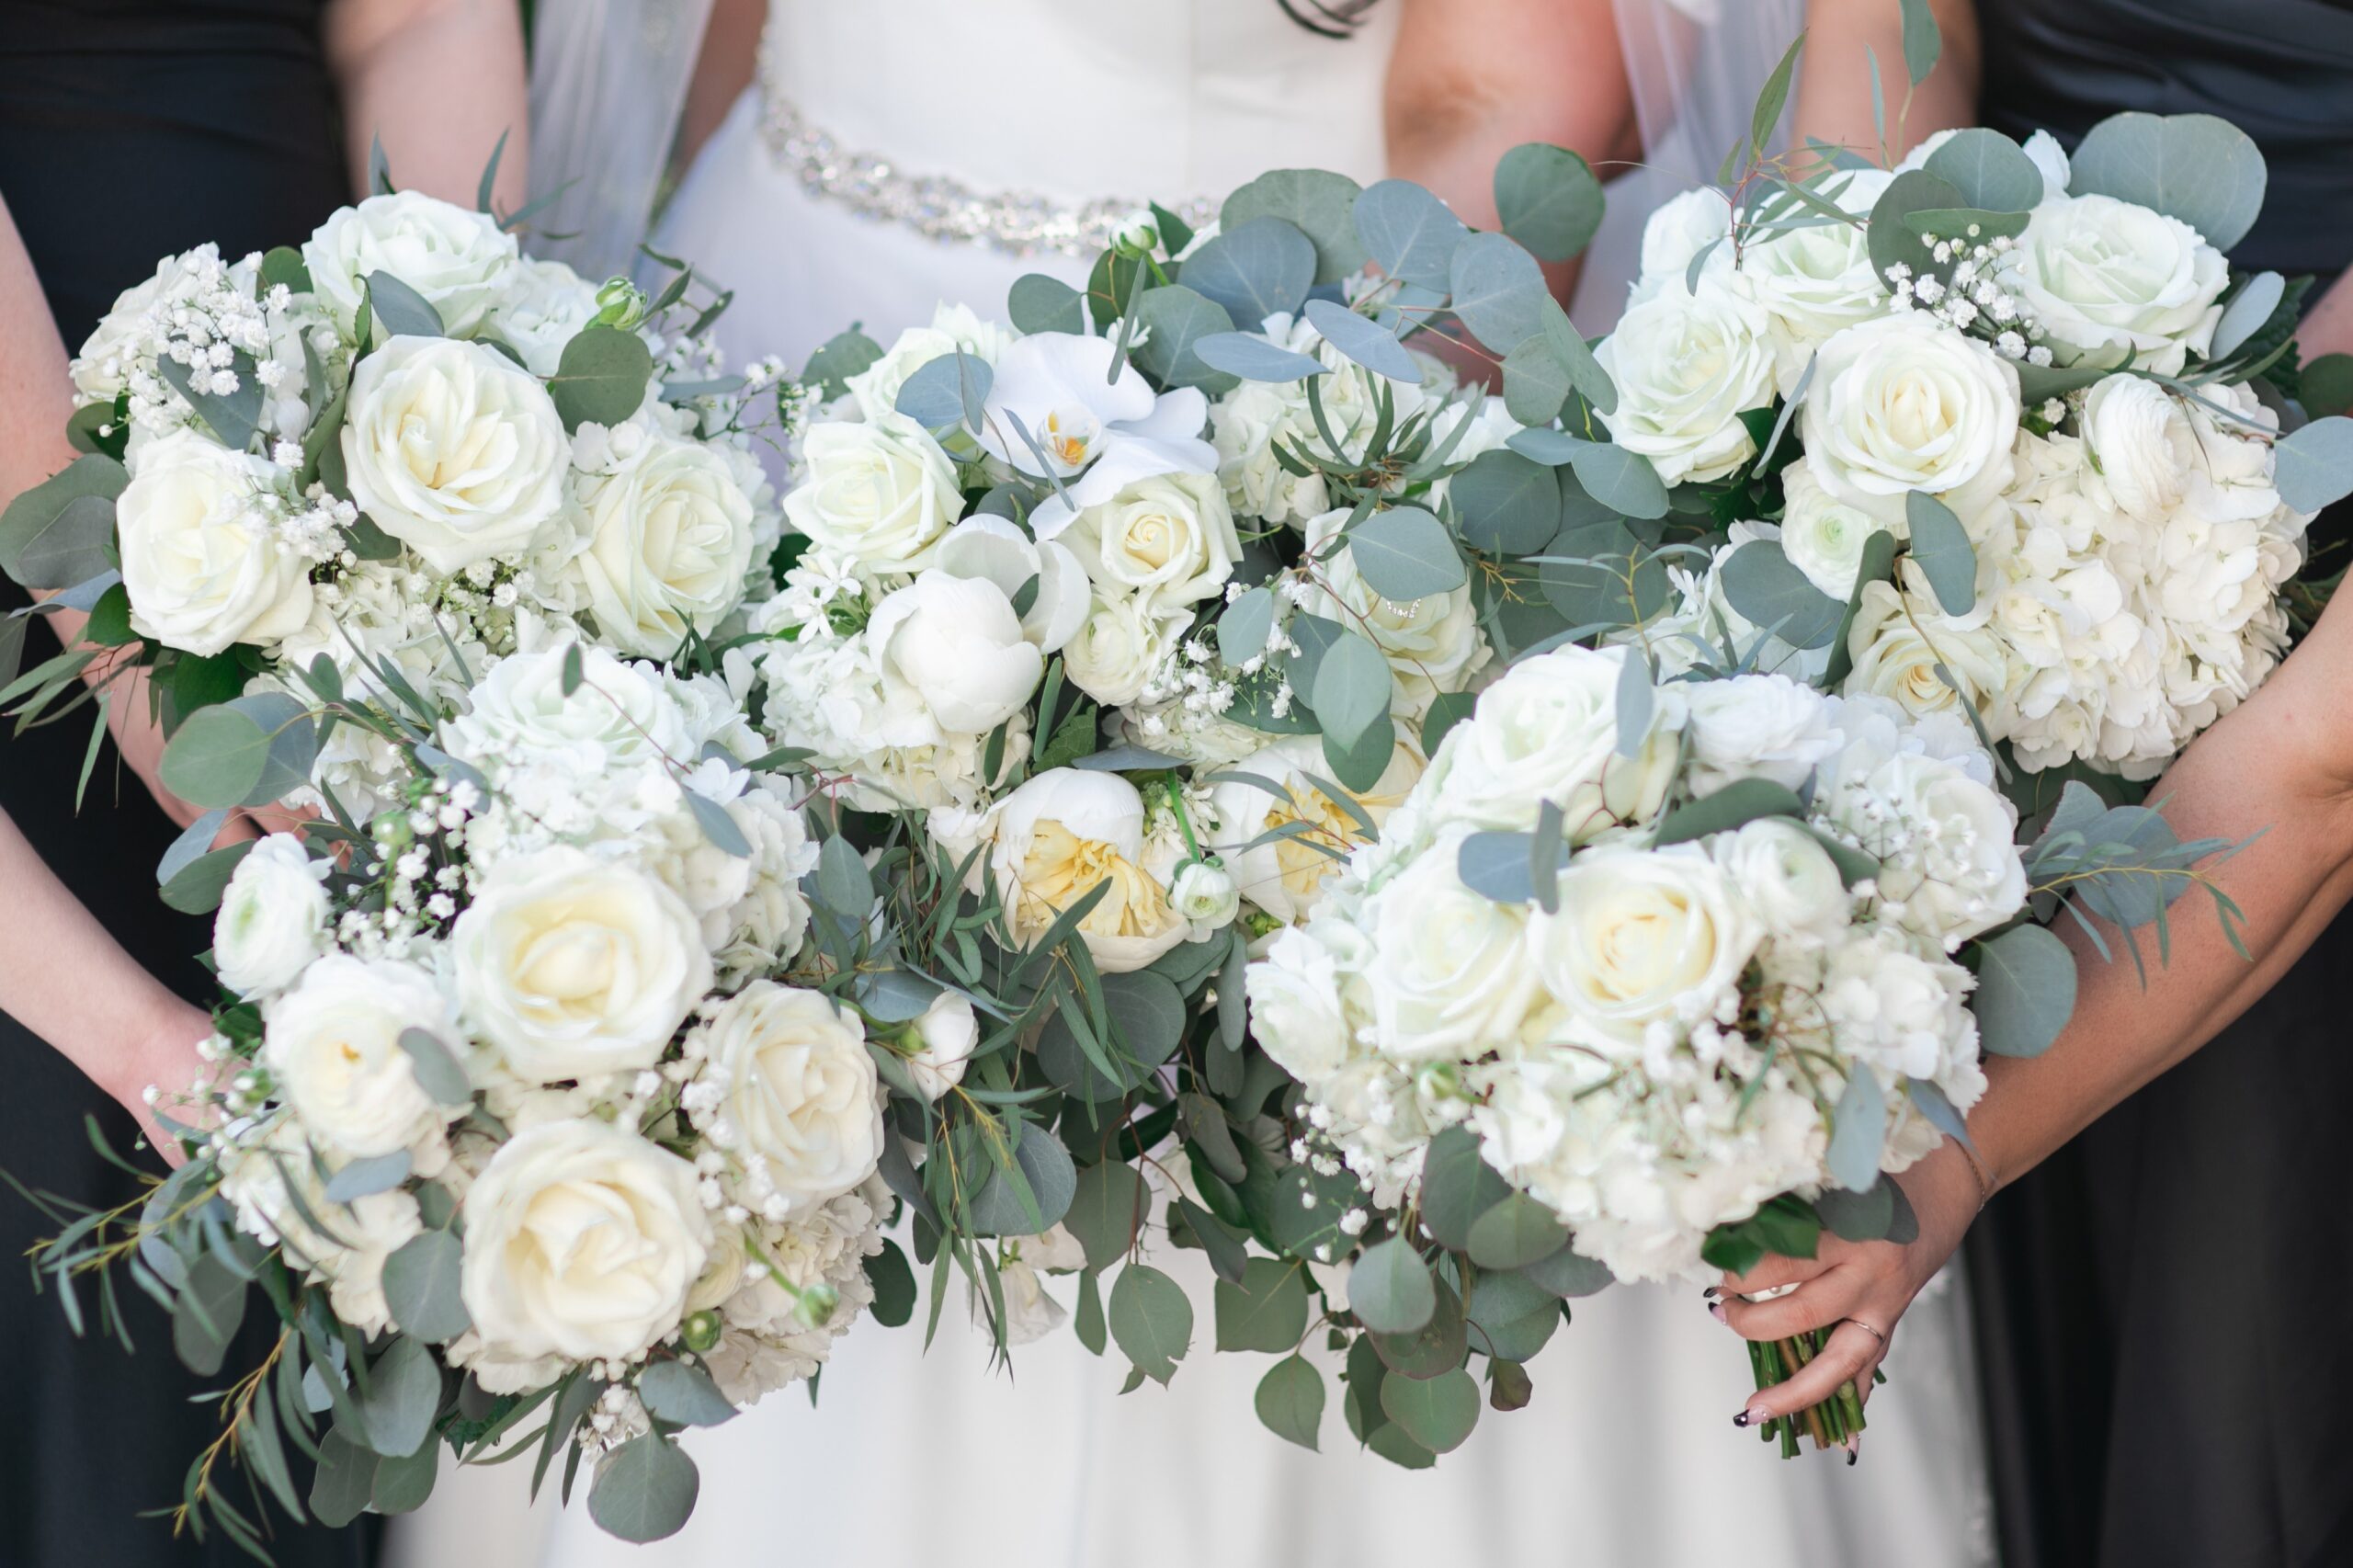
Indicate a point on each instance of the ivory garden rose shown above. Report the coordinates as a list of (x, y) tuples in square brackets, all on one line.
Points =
[(203, 559)]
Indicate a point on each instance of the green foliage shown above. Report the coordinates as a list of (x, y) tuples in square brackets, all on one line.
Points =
[(1150, 1320), (601, 377)]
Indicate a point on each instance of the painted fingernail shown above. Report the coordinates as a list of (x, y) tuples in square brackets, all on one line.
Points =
[(1742, 1420), (1716, 1310), (1712, 1291)]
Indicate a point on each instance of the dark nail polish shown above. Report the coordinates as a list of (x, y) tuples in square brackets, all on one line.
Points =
[(1741, 1420), (1851, 1457), (1716, 1310), (1712, 1291)]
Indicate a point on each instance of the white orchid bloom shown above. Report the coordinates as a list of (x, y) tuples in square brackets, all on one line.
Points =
[(1096, 430)]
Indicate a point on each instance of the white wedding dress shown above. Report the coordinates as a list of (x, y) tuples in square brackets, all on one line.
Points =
[(1045, 116)]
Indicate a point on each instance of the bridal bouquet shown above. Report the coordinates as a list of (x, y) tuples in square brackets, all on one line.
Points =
[(396, 447), (537, 1109)]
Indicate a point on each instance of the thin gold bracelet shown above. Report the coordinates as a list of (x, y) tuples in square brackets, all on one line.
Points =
[(1986, 1185)]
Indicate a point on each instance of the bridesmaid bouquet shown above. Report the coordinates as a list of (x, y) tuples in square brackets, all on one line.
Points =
[(543, 1119), (404, 449)]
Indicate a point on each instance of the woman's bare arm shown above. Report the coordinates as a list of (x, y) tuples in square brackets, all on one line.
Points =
[(438, 81), (1834, 82)]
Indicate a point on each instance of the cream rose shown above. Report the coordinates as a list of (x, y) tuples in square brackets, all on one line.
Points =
[(1548, 731), (543, 307), (669, 541), (202, 558), (953, 327), (1168, 541), (459, 260), (1205, 895), (1687, 366), (2107, 278), (1817, 280), (332, 1044), (1785, 875), (1295, 1005), (1679, 229), (1897, 648), (1060, 836), (956, 643), (1119, 646), (800, 1098), (884, 491), (273, 918), (581, 1241), (570, 966), (453, 449), (1449, 971), (1433, 644), (1642, 937), (1905, 403)]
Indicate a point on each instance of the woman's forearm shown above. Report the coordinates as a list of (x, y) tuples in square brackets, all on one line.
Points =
[(438, 81), (1834, 82), (2277, 767)]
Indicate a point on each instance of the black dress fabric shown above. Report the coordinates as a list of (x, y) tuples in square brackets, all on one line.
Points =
[(127, 132), (2160, 1306)]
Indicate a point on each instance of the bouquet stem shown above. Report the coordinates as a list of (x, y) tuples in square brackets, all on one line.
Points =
[(1834, 1422)]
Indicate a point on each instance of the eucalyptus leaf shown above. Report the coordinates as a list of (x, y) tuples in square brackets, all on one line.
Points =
[(1266, 1310), (2315, 463), (439, 1072), (403, 1393), (2196, 167), (1317, 202), (1923, 40), (1352, 689), (1891, 243), (2247, 314), (2026, 991), (344, 1481), (851, 353), (1569, 1273), (1108, 1209), (1243, 628), (1256, 269), (1549, 200), (234, 415), (1507, 505), (1941, 545), (601, 377), (1498, 290), (1410, 233), (1761, 583), (1253, 358), (1437, 1413), (1516, 1232), (1990, 171), (1374, 347), (948, 390), (1040, 303), (843, 883), (206, 1313), (1389, 1289), (1151, 1322), (725, 836), (361, 1178), (1535, 383), (1179, 318), (56, 520), (644, 1490), (998, 1208), (421, 1286), (399, 310), (1739, 803), (196, 887), (1622, 480), (1404, 554), (1290, 1401), (675, 1391), (1857, 1130), (1637, 701), (1458, 1185)]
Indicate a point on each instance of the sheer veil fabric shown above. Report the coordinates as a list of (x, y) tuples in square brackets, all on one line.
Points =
[(1627, 1454)]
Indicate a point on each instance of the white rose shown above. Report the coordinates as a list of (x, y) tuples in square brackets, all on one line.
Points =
[(1897, 648), (1285, 874), (995, 550), (1168, 541), (1642, 936), (273, 918), (1449, 973), (332, 1044), (1687, 366), (1678, 228), (458, 260), (1548, 731), (669, 537), (883, 492), (202, 558), (1205, 894), (1824, 535), (1059, 837), (454, 450), (1786, 876), (1905, 403), (800, 1098), (1433, 643), (572, 966), (581, 1241), (957, 643), (2104, 278), (544, 306), (953, 327), (1756, 726), (949, 1031), (1121, 645), (1899, 1013), (1295, 1009), (1815, 281)]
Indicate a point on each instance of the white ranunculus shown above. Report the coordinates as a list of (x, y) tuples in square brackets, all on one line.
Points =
[(1119, 646), (1897, 646), (800, 1099), (1905, 403), (544, 306), (1687, 366), (1950, 858), (1295, 1005), (883, 493), (1059, 837), (1642, 936), (332, 1044), (1548, 731), (1824, 535), (582, 1241), (1205, 894), (669, 537), (1784, 874), (454, 450), (1449, 972), (273, 918), (459, 260), (1168, 541), (950, 1032), (1285, 874), (957, 643), (202, 558), (570, 966), (1755, 726), (952, 328), (2105, 277), (619, 716), (2141, 441), (1816, 281), (995, 549)]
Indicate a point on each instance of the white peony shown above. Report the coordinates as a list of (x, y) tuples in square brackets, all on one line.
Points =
[(669, 537), (273, 918), (454, 450), (459, 260), (1905, 403), (956, 643), (883, 492), (582, 1241), (995, 550), (202, 558), (570, 966), (333, 1046), (1687, 366), (949, 1031), (2105, 278), (797, 1098), (1060, 836)]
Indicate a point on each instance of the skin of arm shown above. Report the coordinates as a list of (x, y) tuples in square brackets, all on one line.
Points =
[(731, 53), (64, 979), (1472, 79), (2281, 765), (1834, 79), (438, 81)]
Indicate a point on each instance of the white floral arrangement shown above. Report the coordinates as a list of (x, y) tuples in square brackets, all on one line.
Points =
[(406, 449)]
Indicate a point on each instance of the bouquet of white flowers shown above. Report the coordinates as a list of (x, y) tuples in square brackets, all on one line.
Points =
[(533, 1102), (400, 451)]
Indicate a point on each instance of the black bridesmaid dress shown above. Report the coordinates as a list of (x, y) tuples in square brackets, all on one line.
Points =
[(127, 131), (2161, 1307)]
